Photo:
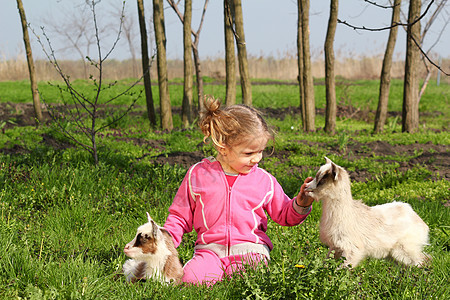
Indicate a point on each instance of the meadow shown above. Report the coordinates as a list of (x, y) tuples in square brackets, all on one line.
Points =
[(64, 221)]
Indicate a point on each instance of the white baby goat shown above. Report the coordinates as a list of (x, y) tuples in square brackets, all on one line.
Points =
[(354, 230), (153, 255)]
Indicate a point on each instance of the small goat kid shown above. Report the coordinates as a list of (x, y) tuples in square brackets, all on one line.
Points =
[(153, 255), (355, 230)]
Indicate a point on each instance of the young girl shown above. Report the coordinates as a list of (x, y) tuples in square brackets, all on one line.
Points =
[(225, 199)]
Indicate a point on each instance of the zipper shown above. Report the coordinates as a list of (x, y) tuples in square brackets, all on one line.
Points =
[(228, 222), (228, 216)]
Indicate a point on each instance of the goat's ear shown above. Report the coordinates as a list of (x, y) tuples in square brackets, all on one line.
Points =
[(149, 219), (154, 229), (334, 170)]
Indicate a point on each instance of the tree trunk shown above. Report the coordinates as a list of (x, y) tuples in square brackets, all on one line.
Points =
[(198, 75), (194, 46), (310, 109), (30, 61), (246, 86), (301, 83), (230, 57), (146, 65), (163, 82), (385, 77), (330, 86), (186, 116), (410, 111)]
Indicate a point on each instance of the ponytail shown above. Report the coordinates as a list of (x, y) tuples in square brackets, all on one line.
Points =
[(231, 125)]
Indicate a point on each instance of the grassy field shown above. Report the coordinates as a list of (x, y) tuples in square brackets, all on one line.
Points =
[(64, 221)]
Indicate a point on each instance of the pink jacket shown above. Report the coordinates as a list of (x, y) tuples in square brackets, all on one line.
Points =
[(229, 217)]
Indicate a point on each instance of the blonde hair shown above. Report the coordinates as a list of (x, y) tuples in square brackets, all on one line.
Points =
[(231, 125)]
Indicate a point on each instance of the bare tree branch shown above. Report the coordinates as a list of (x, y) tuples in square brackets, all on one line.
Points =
[(180, 16), (431, 20), (428, 58), (439, 36), (195, 42), (439, 7), (378, 5), (122, 16), (418, 44), (387, 27), (229, 15), (77, 106)]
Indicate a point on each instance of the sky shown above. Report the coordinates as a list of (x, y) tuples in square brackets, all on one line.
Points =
[(270, 28)]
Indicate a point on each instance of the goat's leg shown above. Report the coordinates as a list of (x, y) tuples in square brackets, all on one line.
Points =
[(336, 255), (401, 254), (410, 255), (352, 258)]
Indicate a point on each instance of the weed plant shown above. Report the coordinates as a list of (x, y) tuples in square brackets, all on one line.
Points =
[(64, 221)]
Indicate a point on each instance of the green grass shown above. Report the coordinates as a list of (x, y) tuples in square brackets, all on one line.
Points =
[(64, 222), (63, 227), (359, 93)]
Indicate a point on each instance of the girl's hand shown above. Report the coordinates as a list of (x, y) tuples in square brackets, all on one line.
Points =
[(302, 198)]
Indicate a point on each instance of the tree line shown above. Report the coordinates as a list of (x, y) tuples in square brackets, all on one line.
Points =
[(235, 40)]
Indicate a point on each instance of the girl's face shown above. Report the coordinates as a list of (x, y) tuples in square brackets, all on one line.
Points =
[(242, 157)]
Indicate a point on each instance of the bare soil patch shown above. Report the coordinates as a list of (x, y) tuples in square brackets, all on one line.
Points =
[(436, 158)]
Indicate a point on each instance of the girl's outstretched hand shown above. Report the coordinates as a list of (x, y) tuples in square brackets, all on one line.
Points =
[(302, 198)]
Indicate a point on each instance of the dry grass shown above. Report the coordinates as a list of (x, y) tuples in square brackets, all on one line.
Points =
[(359, 67)]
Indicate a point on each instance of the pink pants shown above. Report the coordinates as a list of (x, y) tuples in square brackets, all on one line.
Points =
[(207, 267)]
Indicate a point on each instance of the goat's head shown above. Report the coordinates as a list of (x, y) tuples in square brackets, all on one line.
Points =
[(326, 178), (146, 240)]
